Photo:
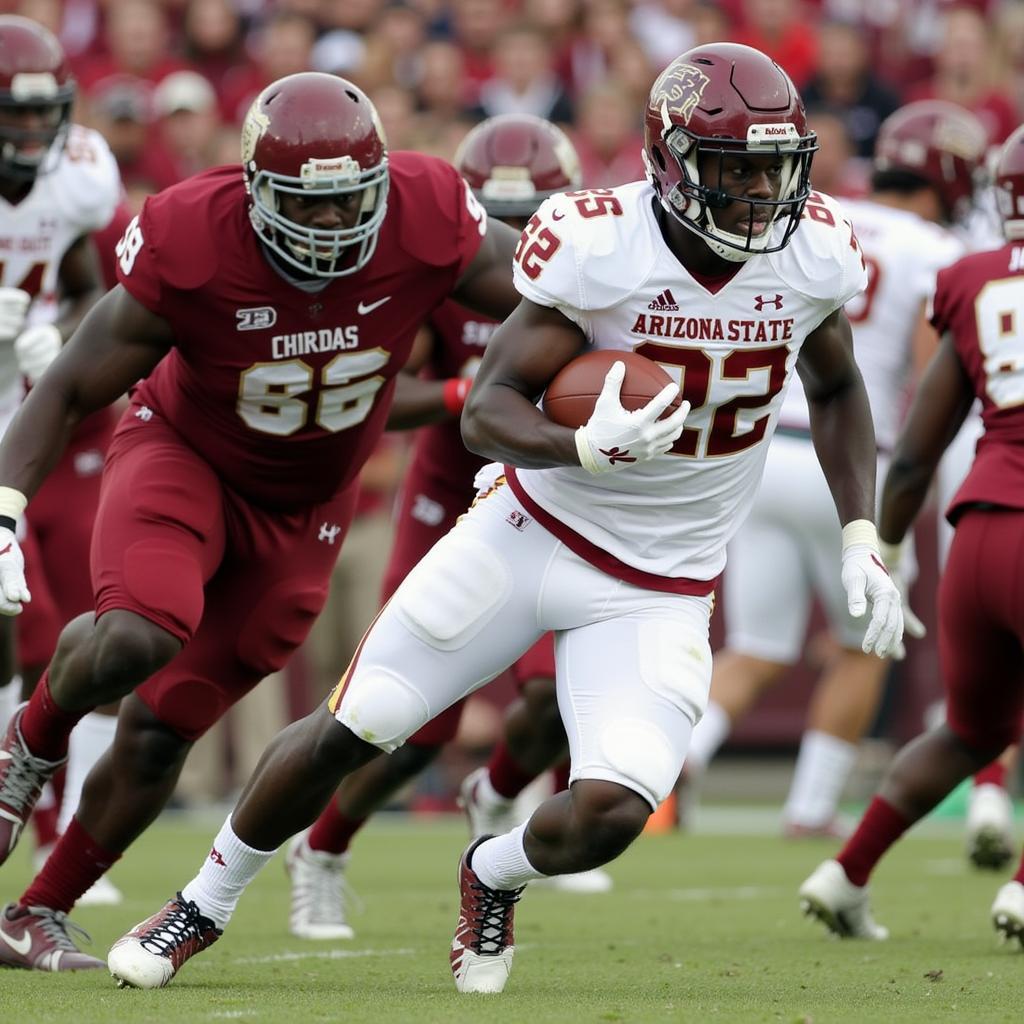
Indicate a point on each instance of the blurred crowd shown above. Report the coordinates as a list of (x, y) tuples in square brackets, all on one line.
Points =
[(168, 83)]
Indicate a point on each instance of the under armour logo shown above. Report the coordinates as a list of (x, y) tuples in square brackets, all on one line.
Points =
[(216, 857), (144, 413), (328, 531), (614, 455), (760, 301)]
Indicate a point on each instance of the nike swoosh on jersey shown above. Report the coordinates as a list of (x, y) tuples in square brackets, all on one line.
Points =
[(21, 946), (369, 307)]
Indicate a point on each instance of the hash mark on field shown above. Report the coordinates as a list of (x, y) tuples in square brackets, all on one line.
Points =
[(739, 892), (327, 954)]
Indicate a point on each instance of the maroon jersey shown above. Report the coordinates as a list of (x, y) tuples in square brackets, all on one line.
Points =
[(978, 301), (460, 339), (285, 391)]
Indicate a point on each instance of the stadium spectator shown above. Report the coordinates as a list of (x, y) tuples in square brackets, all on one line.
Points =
[(475, 28), (779, 28), (837, 169), (663, 28), (213, 38), (607, 137), (187, 120)]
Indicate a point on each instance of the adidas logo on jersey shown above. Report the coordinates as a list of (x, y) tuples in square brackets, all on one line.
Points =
[(664, 302)]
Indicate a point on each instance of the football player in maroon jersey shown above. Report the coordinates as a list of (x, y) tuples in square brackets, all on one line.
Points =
[(513, 163), (981, 355), (620, 553), (268, 313)]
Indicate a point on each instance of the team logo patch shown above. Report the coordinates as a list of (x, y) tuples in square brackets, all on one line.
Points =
[(259, 318), (518, 519), (679, 89)]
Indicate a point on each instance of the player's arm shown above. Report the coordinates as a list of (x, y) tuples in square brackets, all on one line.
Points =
[(501, 420), (486, 284), (418, 400), (841, 426), (940, 406), (118, 343)]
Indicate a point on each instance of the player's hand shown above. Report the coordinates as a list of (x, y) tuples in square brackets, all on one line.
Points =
[(14, 303), (902, 569), (865, 580), (615, 438), (35, 348), (13, 589)]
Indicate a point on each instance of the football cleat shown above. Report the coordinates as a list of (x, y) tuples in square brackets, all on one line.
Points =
[(1008, 912), (484, 819), (831, 829), (319, 892), (989, 827), (481, 956), (102, 893), (582, 882), (153, 952), (22, 777), (39, 939), (840, 905)]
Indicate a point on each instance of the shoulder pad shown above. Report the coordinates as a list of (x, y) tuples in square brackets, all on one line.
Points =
[(87, 183)]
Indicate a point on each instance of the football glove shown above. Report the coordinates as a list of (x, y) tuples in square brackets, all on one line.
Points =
[(35, 348), (615, 438), (13, 589), (902, 570), (14, 303), (866, 579)]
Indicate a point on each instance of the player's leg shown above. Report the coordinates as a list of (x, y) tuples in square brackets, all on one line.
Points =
[(465, 613), (989, 840), (982, 674)]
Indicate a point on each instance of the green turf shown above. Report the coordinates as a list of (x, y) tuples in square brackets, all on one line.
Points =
[(699, 928)]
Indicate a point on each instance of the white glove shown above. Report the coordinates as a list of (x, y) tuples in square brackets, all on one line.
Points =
[(13, 589), (35, 348), (614, 438), (14, 303), (865, 578), (899, 564)]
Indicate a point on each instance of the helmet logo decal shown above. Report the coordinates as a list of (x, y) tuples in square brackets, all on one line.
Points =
[(333, 171), (254, 128), (678, 91)]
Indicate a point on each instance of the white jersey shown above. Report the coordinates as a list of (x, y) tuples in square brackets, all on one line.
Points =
[(77, 197), (599, 257), (903, 253)]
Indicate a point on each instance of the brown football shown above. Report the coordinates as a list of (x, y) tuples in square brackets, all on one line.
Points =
[(570, 397)]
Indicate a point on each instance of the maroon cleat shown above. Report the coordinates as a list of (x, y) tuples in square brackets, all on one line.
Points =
[(22, 777), (483, 945), (153, 952), (38, 939)]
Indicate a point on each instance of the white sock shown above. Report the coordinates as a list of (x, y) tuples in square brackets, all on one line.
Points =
[(501, 862), (489, 797), (822, 768), (708, 735), (229, 868), (10, 698), (90, 740)]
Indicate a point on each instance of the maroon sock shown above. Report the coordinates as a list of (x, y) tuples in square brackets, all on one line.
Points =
[(332, 832), (507, 776), (880, 827), (76, 862), (45, 726), (560, 775), (993, 774), (44, 824), (1019, 877)]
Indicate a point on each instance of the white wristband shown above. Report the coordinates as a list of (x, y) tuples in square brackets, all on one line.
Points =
[(892, 554), (12, 502), (860, 531), (587, 460)]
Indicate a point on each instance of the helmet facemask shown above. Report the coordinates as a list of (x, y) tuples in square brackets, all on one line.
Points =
[(693, 201), (40, 92), (318, 251)]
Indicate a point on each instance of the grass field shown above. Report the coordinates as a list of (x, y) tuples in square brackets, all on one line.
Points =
[(699, 928)]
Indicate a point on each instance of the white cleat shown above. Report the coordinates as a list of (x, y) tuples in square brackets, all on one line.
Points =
[(583, 882), (102, 893), (319, 892), (989, 827), (1008, 912), (485, 818), (840, 905)]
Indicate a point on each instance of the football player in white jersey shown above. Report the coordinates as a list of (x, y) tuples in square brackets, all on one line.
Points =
[(58, 183), (927, 157), (612, 535)]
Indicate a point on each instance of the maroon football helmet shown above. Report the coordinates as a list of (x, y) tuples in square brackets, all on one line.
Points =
[(939, 142), (1009, 180), (717, 100), (313, 132), (36, 93), (513, 162)]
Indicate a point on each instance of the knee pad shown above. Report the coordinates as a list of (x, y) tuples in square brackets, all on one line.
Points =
[(640, 757), (454, 592), (381, 708), (675, 663)]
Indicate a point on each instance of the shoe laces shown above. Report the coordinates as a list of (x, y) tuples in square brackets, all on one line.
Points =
[(180, 925), (492, 914), (57, 927), (24, 777), (325, 890)]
